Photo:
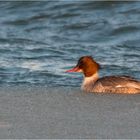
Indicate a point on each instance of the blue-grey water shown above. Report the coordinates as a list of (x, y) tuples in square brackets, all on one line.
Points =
[(40, 40)]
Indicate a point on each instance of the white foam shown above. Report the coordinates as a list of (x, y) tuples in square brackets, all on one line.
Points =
[(32, 65)]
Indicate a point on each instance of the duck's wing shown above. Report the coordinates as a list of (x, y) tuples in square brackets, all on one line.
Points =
[(119, 81)]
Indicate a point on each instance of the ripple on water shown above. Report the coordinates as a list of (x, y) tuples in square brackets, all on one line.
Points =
[(40, 40)]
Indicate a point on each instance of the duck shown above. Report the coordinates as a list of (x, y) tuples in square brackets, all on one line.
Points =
[(107, 84)]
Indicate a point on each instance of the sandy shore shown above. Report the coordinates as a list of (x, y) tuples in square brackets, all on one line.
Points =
[(41, 112)]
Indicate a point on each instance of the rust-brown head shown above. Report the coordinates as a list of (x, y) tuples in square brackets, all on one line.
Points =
[(87, 65)]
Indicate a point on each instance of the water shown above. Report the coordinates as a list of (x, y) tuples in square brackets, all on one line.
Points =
[(40, 40)]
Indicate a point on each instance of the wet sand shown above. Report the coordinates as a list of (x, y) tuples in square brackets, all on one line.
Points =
[(42, 112)]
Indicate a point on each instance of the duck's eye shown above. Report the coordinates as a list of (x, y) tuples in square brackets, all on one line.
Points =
[(81, 64)]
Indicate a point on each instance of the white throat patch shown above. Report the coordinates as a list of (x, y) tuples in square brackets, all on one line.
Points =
[(88, 82)]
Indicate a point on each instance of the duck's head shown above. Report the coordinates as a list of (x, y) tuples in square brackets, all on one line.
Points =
[(86, 65)]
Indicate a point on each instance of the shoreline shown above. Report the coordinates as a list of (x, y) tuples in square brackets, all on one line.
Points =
[(44, 112)]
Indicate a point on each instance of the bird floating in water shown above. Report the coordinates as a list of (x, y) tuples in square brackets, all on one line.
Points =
[(108, 84)]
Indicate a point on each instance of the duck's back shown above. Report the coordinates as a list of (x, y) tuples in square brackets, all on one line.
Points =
[(117, 84)]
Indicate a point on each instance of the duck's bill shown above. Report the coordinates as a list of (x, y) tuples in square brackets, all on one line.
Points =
[(75, 69)]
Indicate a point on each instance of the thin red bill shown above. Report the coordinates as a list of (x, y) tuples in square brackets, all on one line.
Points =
[(75, 69)]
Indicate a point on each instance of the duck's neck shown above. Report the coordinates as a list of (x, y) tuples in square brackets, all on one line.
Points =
[(89, 82)]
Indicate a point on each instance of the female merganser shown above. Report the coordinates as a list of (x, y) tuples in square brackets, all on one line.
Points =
[(107, 84)]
